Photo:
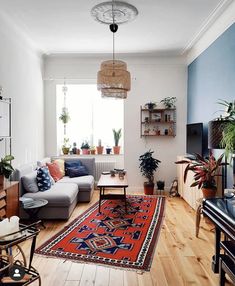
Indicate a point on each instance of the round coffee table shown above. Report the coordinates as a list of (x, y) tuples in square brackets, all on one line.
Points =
[(34, 209)]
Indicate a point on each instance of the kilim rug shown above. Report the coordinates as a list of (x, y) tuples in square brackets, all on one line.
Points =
[(112, 237)]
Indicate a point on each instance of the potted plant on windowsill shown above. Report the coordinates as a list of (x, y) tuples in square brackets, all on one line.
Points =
[(66, 146), (148, 165), (6, 168), (205, 171), (85, 148), (99, 148), (117, 135)]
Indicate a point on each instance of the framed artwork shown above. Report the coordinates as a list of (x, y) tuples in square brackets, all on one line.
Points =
[(5, 119)]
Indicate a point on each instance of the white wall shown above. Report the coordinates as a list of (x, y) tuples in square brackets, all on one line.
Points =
[(21, 79), (154, 79)]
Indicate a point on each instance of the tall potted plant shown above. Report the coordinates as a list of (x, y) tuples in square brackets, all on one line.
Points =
[(6, 168), (117, 135), (205, 171), (148, 165)]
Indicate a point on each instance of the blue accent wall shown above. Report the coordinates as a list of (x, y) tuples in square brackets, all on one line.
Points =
[(211, 76)]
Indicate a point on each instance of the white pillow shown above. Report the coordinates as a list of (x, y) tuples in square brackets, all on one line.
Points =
[(30, 183)]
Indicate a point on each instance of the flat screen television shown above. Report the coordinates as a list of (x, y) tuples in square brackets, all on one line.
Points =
[(194, 138)]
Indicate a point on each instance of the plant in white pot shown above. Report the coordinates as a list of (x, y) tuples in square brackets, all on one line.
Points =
[(148, 166)]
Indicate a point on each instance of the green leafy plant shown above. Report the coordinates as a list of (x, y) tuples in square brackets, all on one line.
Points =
[(66, 143), (150, 105), (117, 135), (85, 145), (64, 117), (169, 102), (205, 170), (148, 165), (228, 139), (6, 168), (229, 109)]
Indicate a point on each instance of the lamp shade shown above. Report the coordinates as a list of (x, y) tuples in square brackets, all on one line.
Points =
[(215, 133), (113, 79)]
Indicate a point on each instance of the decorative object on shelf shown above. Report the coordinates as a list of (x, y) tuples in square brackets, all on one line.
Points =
[(150, 105), (148, 165), (205, 169), (74, 150), (92, 150), (169, 102), (66, 146), (113, 79), (85, 148), (166, 131), (117, 135), (6, 168), (108, 150), (160, 185)]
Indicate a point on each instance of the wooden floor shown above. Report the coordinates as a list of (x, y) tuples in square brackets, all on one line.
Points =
[(180, 258)]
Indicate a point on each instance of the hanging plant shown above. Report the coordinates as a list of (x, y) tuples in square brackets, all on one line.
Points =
[(64, 117)]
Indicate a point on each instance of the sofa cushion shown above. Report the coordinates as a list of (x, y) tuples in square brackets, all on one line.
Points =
[(55, 171), (43, 179), (29, 182), (71, 164), (77, 171), (84, 182), (60, 163), (59, 195)]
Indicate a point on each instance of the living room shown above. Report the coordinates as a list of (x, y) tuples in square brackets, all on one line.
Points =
[(182, 50)]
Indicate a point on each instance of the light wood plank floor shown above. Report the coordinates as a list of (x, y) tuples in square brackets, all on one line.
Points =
[(180, 258)]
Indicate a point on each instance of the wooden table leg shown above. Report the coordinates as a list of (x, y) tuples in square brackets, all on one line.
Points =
[(100, 198), (198, 219), (125, 199)]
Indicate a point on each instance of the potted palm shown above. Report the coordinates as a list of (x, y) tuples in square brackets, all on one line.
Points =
[(6, 168), (117, 135), (205, 171), (85, 148), (148, 165)]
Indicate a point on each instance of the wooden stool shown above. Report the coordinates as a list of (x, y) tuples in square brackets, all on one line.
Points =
[(198, 214)]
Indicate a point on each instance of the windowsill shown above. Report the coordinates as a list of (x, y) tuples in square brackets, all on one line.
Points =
[(88, 155)]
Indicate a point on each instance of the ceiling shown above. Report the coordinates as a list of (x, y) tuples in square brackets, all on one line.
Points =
[(66, 26)]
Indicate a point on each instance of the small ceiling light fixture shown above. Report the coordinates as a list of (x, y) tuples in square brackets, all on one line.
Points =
[(113, 79)]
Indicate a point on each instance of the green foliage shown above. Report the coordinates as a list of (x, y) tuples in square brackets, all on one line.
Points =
[(150, 105), (230, 109), (66, 143), (64, 117), (117, 135), (228, 140), (148, 165), (205, 170), (6, 168), (85, 145), (169, 102)]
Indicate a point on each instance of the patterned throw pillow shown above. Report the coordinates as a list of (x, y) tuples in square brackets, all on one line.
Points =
[(43, 179), (77, 171)]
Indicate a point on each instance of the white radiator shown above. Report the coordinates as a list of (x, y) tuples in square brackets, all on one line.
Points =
[(102, 167)]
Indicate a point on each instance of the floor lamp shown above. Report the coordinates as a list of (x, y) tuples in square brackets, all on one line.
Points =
[(215, 135)]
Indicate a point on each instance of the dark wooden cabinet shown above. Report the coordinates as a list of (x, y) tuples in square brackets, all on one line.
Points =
[(9, 199)]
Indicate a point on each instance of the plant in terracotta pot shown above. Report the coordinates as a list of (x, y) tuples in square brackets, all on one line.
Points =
[(99, 148), (92, 150), (117, 135), (85, 147), (148, 165), (6, 168), (205, 171)]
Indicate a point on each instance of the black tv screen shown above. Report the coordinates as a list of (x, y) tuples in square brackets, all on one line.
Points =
[(195, 138)]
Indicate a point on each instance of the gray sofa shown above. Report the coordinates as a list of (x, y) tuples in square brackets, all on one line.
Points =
[(63, 196)]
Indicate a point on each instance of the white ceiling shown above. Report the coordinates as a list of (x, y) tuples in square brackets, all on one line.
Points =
[(66, 26)]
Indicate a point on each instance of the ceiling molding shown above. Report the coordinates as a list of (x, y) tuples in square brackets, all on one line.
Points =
[(216, 13)]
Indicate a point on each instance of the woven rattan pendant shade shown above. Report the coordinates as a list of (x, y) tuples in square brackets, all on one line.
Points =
[(113, 79)]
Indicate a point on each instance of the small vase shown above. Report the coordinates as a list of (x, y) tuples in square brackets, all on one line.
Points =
[(208, 193), (116, 150), (108, 150), (65, 150), (99, 150)]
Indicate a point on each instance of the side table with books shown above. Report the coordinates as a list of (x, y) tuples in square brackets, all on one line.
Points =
[(32, 208)]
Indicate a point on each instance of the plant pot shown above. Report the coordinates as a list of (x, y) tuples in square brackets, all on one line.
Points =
[(208, 193), (78, 151), (2, 180), (65, 150), (116, 150), (85, 151), (108, 150), (148, 188), (92, 152), (160, 185), (99, 149)]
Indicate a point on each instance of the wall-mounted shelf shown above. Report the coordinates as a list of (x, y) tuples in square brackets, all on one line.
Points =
[(158, 122)]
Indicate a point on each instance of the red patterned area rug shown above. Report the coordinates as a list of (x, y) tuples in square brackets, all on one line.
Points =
[(112, 237)]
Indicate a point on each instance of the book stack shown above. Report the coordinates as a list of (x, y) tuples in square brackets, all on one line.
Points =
[(27, 202)]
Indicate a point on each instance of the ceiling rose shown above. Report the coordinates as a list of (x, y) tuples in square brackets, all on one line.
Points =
[(122, 12)]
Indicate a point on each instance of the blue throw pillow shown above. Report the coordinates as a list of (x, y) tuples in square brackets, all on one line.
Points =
[(71, 164), (43, 179), (77, 171)]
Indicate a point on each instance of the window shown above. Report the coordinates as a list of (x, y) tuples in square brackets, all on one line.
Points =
[(91, 116)]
